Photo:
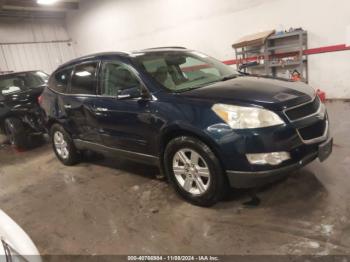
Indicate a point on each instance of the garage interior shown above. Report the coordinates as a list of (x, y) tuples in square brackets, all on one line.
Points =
[(112, 206)]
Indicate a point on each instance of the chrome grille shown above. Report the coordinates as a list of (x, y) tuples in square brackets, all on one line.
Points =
[(304, 110)]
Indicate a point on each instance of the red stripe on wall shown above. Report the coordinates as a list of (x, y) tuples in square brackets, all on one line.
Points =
[(326, 49), (312, 51), (230, 62)]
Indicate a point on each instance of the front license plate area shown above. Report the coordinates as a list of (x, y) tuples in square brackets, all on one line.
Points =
[(325, 149)]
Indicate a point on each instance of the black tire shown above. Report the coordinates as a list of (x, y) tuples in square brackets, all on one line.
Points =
[(73, 156), (218, 186), (16, 132)]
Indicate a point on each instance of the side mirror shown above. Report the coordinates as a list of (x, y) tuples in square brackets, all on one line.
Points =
[(145, 95), (134, 93)]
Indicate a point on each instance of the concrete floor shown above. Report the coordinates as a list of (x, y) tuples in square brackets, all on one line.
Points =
[(115, 207)]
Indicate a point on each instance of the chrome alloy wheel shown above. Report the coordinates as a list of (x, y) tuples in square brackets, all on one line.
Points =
[(191, 171), (61, 145)]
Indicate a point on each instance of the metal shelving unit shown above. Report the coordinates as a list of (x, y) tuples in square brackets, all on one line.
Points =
[(279, 51)]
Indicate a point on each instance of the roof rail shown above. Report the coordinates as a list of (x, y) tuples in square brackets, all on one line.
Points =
[(164, 47)]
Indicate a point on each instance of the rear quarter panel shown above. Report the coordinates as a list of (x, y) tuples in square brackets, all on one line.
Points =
[(49, 104)]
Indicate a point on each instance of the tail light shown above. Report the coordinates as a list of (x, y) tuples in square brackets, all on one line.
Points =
[(321, 95)]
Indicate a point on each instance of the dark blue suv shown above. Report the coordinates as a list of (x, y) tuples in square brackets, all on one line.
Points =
[(207, 126)]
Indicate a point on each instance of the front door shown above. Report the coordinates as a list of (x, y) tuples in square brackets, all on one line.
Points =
[(125, 118)]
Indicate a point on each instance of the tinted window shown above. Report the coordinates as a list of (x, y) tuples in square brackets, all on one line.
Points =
[(61, 80), (14, 83), (118, 80), (84, 79)]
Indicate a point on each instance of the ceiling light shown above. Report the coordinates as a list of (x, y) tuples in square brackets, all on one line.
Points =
[(83, 73), (46, 2)]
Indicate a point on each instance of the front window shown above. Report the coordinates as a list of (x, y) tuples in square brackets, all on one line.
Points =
[(19, 82), (180, 71), (117, 80)]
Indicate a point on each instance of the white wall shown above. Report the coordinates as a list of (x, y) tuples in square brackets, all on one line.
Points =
[(19, 30), (212, 26), (27, 44)]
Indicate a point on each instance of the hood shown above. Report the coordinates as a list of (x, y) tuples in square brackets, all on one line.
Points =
[(260, 91)]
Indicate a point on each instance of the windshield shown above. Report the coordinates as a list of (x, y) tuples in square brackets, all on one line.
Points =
[(15, 83), (182, 71)]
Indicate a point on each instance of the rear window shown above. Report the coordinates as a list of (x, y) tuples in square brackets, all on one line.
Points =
[(84, 79)]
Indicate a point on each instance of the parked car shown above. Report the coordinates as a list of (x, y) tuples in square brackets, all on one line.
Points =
[(15, 244), (20, 114), (205, 125)]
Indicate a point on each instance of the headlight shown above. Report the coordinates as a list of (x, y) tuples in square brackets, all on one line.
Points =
[(239, 117)]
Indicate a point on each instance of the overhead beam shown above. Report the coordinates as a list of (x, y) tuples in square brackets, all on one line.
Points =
[(32, 4), (30, 14)]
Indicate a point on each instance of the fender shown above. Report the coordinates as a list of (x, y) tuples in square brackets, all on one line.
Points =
[(180, 128)]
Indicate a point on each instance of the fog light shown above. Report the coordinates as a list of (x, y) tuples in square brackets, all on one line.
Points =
[(273, 159)]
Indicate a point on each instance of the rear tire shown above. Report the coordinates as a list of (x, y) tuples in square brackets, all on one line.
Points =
[(194, 171), (16, 132), (63, 146)]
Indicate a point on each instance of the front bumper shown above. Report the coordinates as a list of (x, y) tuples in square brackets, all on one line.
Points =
[(305, 136), (249, 179)]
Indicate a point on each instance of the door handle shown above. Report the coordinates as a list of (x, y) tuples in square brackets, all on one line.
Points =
[(101, 109), (67, 106)]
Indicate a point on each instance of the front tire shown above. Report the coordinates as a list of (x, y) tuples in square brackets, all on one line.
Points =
[(63, 146), (195, 171)]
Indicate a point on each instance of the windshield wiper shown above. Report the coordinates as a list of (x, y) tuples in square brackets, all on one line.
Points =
[(7, 251), (225, 78), (11, 254), (197, 86)]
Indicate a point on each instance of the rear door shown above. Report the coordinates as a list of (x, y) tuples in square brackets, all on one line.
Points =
[(56, 97), (79, 105)]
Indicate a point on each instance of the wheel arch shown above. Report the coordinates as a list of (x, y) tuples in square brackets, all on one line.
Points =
[(175, 132), (52, 121)]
